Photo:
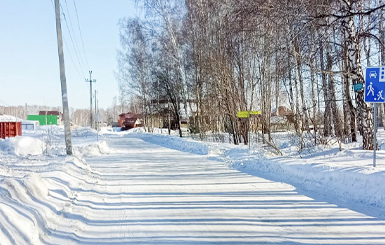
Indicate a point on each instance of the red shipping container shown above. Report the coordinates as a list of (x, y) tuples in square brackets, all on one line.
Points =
[(10, 129)]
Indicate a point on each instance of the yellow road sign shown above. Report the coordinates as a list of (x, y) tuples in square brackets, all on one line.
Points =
[(245, 114)]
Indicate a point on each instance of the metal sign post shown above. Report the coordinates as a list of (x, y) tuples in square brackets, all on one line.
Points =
[(248, 130), (375, 134), (374, 93)]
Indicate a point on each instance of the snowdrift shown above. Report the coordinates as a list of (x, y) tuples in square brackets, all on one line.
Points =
[(22, 146), (174, 142)]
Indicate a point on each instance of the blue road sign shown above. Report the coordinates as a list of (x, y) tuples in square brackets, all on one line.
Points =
[(375, 85)]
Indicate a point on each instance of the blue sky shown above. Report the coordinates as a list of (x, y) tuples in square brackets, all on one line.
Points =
[(29, 64)]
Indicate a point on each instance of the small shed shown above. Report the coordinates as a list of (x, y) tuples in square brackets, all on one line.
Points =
[(58, 114), (9, 126), (44, 119), (29, 125)]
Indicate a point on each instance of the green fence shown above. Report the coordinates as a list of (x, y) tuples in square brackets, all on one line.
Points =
[(43, 119)]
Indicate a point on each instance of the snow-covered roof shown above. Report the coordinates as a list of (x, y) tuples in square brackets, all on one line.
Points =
[(36, 123), (8, 118)]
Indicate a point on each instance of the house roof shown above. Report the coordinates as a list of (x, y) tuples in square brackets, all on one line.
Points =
[(130, 115), (49, 113)]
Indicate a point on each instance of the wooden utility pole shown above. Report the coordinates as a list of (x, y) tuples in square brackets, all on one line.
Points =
[(67, 129)]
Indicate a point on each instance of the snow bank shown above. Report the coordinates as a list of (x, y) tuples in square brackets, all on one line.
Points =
[(83, 132), (96, 149), (361, 184), (176, 143), (58, 131), (32, 185), (22, 145), (36, 185)]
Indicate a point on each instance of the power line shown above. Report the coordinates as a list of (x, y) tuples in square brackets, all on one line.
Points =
[(4, 103), (76, 43), (81, 36), (72, 40), (69, 52), (73, 62)]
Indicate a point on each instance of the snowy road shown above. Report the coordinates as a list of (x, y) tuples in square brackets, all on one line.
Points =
[(147, 194)]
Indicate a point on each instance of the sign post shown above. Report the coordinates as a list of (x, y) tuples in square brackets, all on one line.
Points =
[(247, 114), (375, 134), (374, 93)]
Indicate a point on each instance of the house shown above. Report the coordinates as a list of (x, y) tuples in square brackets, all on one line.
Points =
[(164, 115), (130, 120), (282, 111), (281, 120)]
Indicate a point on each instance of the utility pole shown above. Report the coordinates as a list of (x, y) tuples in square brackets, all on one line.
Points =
[(67, 128), (95, 103), (91, 81), (96, 113), (98, 117)]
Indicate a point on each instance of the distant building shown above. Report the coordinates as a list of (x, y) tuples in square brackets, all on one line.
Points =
[(29, 125), (9, 126), (283, 119), (165, 115), (282, 111), (130, 120), (52, 113), (44, 119)]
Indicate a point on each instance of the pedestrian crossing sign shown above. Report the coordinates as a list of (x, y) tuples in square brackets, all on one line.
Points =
[(375, 85)]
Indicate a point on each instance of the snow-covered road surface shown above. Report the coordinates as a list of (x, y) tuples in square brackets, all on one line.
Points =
[(147, 194)]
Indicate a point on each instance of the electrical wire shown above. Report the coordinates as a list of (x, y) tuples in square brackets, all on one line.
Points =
[(69, 53), (73, 62), (4, 103), (53, 5), (80, 73), (81, 35), (72, 40), (75, 39)]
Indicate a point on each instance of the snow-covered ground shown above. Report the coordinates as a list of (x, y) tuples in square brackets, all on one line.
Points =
[(125, 186)]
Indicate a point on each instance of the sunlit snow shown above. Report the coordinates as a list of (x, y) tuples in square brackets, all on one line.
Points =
[(137, 188)]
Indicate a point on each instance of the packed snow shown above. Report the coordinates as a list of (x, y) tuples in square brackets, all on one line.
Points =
[(141, 188)]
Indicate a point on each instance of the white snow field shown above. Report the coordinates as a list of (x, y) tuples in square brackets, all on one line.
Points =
[(137, 188)]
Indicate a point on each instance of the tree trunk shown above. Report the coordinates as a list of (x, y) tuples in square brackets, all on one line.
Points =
[(364, 113), (331, 91), (327, 113), (303, 115), (382, 50), (347, 101)]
